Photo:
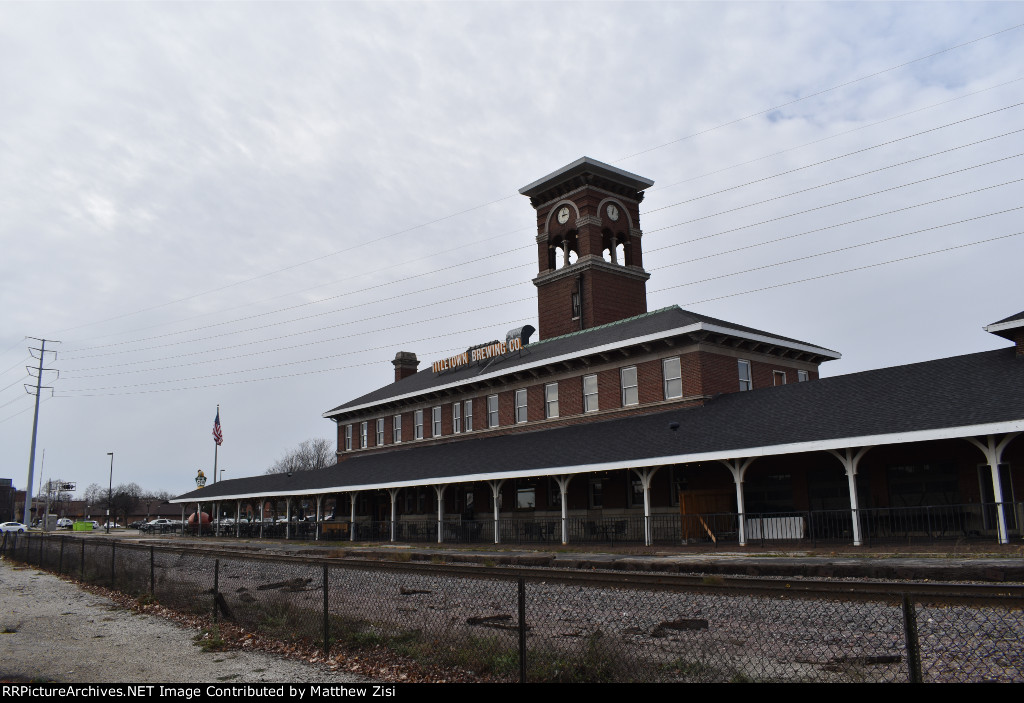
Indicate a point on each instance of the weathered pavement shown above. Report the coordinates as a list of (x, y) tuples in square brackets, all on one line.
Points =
[(51, 630)]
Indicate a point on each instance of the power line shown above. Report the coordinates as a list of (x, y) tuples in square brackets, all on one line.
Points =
[(836, 251), (851, 153), (447, 268), (812, 231), (803, 258), (851, 270), (378, 239), (831, 136)]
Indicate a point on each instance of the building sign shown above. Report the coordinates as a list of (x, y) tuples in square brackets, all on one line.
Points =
[(478, 354)]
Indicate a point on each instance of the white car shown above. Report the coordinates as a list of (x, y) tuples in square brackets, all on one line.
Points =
[(12, 527), (65, 523)]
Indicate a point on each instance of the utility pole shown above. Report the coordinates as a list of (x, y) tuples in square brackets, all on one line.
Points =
[(27, 516)]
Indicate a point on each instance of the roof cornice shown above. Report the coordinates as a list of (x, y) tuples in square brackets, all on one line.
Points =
[(653, 337)]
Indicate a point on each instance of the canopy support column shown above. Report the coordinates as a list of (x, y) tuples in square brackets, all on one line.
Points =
[(439, 490), (394, 503), (993, 451), (563, 492), (645, 475), (352, 520), (495, 485), (850, 462), (738, 469)]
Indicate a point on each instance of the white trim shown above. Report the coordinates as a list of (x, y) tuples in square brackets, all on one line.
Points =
[(611, 346), (741, 452), (1000, 326)]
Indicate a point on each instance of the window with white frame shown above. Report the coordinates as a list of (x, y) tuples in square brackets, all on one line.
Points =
[(396, 429), (348, 438), (363, 432), (467, 412), (492, 411), (551, 400), (418, 424), (746, 379), (521, 405), (802, 376), (456, 418), (673, 375), (590, 393), (380, 432), (630, 392), (779, 378), (435, 421)]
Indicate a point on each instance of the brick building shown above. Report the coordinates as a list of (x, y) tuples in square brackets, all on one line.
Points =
[(666, 425)]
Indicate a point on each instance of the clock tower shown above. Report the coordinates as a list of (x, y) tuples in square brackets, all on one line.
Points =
[(588, 246)]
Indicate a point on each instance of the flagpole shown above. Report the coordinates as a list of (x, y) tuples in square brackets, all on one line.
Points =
[(216, 445)]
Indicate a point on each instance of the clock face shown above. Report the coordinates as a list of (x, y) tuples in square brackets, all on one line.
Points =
[(613, 213), (563, 215)]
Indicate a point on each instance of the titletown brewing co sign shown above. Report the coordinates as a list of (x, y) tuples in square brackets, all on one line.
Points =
[(478, 354)]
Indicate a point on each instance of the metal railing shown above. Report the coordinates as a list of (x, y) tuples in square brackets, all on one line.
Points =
[(537, 625), (891, 525)]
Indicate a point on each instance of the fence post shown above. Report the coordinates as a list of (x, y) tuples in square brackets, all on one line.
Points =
[(913, 646), (113, 545), (216, 585), (40, 551), (81, 562), (327, 619), (60, 559), (152, 581), (522, 630)]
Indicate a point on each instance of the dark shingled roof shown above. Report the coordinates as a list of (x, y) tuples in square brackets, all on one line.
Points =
[(1011, 318), (651, 323), (960, 391)]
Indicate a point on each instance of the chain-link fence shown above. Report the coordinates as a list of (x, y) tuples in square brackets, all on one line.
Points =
[(502, 625)]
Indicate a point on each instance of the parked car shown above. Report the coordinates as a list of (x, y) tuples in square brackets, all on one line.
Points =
[(95, 525), (159, 525), (12, 527), (65, 523), (136, 524)]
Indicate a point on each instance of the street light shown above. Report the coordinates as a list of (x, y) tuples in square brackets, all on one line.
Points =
[(110, 489)]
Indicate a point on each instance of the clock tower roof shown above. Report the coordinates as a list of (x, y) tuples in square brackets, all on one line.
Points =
[(586, 171)]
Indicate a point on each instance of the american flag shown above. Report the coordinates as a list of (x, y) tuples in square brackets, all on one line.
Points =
[(218, 436)]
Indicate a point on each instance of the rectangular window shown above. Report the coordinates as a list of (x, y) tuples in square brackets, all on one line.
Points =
[(554, 494), (746, 380), (575, 305), (551, 400), (348, 438), (590, 393), (435, 421), (630, 393), (526, 495), (779, 378), (636, 493), (492, 411), (418, 424), (521, 405), (673, 375), (802, 376), (456, 419), (380, 432), (595, 494), (396, 429), (467, 411), (363, 438)]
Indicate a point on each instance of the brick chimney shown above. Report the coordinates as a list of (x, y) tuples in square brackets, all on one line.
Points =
[(406, 364)]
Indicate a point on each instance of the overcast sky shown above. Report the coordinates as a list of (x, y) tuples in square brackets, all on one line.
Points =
[(258, 205)]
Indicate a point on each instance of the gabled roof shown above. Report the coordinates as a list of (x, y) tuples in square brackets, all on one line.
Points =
[(1004, 327), (961, 396), (651, 326)]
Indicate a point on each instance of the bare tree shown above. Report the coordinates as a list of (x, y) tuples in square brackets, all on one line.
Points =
[(310, 455)]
